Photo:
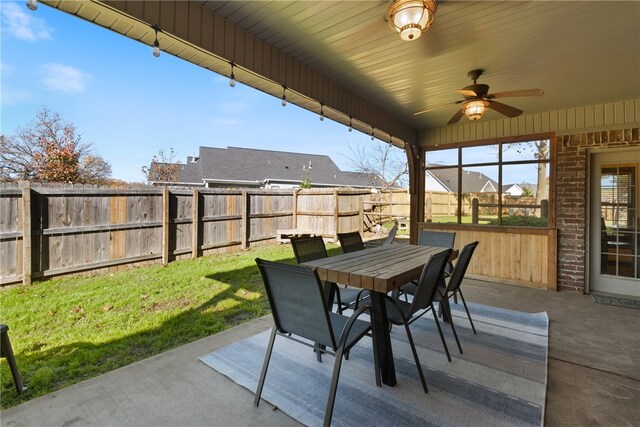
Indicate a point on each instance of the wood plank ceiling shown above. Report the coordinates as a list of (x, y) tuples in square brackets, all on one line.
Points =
[(580, 53)]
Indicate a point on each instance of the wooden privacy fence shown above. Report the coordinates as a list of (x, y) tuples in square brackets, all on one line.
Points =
[(48, 230)]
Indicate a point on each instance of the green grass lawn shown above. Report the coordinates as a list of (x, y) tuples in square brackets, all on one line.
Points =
[(67, 330)]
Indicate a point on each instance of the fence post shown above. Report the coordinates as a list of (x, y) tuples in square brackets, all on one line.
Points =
[(294, 219), (26, 232), (361, 214), (165, 226), (474, 210), (245, 220), (428, 214), (336, 217), (195, 228)]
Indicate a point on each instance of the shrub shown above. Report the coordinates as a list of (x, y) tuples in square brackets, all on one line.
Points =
[(522, 221)]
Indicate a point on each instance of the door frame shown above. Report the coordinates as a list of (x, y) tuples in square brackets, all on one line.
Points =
[(591, 153)]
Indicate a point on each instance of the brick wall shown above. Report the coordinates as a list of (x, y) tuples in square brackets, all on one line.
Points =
[(571, 197)]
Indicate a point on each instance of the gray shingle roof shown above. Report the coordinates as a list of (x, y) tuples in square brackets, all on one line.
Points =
[(244, 165)]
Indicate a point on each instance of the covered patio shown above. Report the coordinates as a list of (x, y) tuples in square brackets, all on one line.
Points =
[(592, 378), (342, 61)]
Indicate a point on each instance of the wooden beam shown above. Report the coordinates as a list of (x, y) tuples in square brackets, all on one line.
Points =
[(415, 162)]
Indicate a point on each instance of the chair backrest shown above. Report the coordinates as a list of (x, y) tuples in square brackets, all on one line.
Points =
[(390, 236), (297, 301), (308, 248), (350, 242), (461, 267), (439, 239), (429, 279)]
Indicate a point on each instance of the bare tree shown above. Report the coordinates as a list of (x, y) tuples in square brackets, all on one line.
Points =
[(163, 168), (386, 164), (50, 150), (94, 170), (540, 151)]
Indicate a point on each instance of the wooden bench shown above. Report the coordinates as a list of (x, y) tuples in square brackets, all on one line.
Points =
[(283, 236)]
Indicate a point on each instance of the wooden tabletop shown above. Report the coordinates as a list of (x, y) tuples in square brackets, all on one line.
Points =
[(381, 269)]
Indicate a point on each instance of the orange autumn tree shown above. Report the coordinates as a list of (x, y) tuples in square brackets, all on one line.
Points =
[(59, 159), (50, 150)]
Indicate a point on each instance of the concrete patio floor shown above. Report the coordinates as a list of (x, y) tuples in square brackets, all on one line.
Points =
[(593, 377)]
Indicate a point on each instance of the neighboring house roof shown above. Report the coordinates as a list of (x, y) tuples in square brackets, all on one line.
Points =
[(518, 189), (472, 182), (512, 189), (252, 167)]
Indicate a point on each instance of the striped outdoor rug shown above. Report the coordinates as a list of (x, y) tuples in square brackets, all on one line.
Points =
[(501, 379)]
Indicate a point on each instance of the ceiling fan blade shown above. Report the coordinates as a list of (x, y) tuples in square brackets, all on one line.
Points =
[(436, 107), (456, 117), (514, 93), (467, 92), (504, 109)]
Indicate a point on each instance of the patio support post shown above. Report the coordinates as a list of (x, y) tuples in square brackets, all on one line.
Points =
[(26, 232), (415, 162)]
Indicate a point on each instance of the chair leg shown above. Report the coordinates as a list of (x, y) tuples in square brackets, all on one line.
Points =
[(415, 357), (265, 365), (467, 310), (7, 352), (333, 388), (444, 343), (447, 310), (338, 299)]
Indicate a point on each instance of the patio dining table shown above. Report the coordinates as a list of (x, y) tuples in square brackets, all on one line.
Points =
[(380, 270)]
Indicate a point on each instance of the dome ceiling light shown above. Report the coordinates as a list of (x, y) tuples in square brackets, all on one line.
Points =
[(411, 18)]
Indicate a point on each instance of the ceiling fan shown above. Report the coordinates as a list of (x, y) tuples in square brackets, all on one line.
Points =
[(477, 100)]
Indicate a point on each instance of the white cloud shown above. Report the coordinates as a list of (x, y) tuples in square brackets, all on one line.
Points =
[(17, 22), (65, 78)]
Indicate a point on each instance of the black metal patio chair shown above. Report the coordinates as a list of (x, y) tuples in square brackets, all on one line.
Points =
[(438, 239), (307, 249), (298, 306), (391, 236), (351, 242), (7, 352), (404, 313), (453, 286)]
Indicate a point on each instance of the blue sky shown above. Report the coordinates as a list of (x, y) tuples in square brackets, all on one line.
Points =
[(129, 104)]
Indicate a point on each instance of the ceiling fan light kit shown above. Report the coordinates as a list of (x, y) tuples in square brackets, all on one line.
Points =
[(475, 109), (411, 18), (477, 100)]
